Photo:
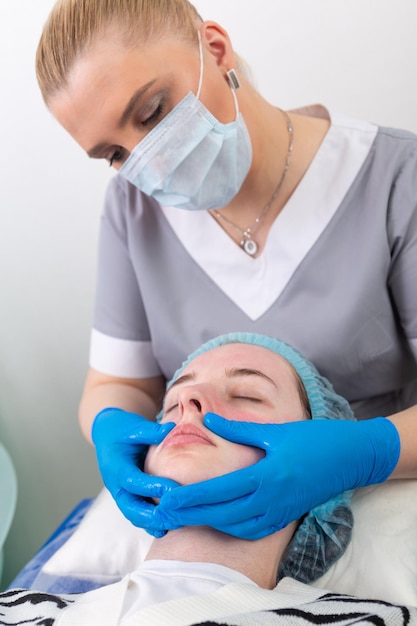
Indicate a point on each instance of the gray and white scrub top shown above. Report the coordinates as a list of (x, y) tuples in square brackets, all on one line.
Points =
[(337, 278)]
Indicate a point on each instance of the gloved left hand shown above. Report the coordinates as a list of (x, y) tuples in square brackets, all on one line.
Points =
[(306, 463), (121, 440)]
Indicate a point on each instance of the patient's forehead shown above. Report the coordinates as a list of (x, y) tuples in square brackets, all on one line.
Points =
[(213, 363)]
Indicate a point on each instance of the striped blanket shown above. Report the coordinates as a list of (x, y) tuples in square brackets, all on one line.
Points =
[(28, 608)]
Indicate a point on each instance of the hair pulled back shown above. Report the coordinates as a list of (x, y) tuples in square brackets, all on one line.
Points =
[(73, 26)]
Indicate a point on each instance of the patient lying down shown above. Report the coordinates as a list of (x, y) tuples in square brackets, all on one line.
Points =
[(241, 381), (198, 574)]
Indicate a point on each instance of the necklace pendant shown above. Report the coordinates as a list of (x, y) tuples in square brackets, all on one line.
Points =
[(250, 247)]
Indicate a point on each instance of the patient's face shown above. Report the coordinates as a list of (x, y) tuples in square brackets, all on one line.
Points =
[(237, 381)]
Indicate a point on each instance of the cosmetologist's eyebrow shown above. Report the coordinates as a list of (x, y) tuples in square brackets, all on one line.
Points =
[(98, 150), (130, 107)]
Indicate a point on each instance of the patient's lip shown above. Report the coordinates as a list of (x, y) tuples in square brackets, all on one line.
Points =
[(186, 434)]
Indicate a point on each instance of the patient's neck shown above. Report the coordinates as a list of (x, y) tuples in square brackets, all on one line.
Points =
[(258, 560)]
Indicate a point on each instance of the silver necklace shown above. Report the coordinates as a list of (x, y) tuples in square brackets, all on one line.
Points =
[(247, 242)]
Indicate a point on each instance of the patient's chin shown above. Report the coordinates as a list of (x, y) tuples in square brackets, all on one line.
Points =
[(185, 471)]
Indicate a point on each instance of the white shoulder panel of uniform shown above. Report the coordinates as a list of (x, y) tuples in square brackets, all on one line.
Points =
[(121, 357)]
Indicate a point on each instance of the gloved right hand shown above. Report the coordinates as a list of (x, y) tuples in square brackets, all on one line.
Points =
[(306, 463), (121, 440)]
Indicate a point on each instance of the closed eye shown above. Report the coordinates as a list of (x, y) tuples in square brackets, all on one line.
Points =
[(117, 157), (155, 115), (171, 408)]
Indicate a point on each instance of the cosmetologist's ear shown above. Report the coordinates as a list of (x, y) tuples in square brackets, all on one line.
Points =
[(216, 40)]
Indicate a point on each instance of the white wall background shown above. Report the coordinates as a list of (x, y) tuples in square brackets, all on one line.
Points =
[(357, 56)]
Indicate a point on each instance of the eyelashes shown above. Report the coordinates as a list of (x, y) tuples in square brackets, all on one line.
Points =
[(116, 157), (120, 154), (155, 116), (251, 399), (171, 408)]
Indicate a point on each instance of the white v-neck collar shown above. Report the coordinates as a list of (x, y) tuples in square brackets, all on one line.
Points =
[(295, 230)]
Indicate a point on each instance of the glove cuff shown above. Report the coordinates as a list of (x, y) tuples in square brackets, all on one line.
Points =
[(385, 443)]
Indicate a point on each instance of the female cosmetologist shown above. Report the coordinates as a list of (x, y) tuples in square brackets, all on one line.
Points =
[(229, 214)]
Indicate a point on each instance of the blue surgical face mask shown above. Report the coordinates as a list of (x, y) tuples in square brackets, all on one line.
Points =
[(190, 160)]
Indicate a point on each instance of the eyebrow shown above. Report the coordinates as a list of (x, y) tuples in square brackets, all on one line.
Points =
[(130, 107), (98, 149), (183, 379), (234, 372), (238, 372)]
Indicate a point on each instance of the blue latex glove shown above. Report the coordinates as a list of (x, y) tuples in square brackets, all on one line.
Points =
[(121, 440), (306, 463)]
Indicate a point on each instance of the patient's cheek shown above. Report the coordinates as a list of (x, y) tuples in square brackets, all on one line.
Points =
[(149, 460), (249, 456), (198, 463)]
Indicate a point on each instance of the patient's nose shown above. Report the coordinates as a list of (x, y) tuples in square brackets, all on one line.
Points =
[(196, 403), (193, 402)]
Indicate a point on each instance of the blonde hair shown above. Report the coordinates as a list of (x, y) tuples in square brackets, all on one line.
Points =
[(73, 26)]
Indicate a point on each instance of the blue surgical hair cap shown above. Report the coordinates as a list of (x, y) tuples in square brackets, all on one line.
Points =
[(325, 403), (325, 532)]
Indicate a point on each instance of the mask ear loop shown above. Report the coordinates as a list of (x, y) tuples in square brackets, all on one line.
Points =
[(200, 80), (232, 77)]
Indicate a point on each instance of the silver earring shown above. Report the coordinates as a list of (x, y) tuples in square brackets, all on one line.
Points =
[(233, 79)]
